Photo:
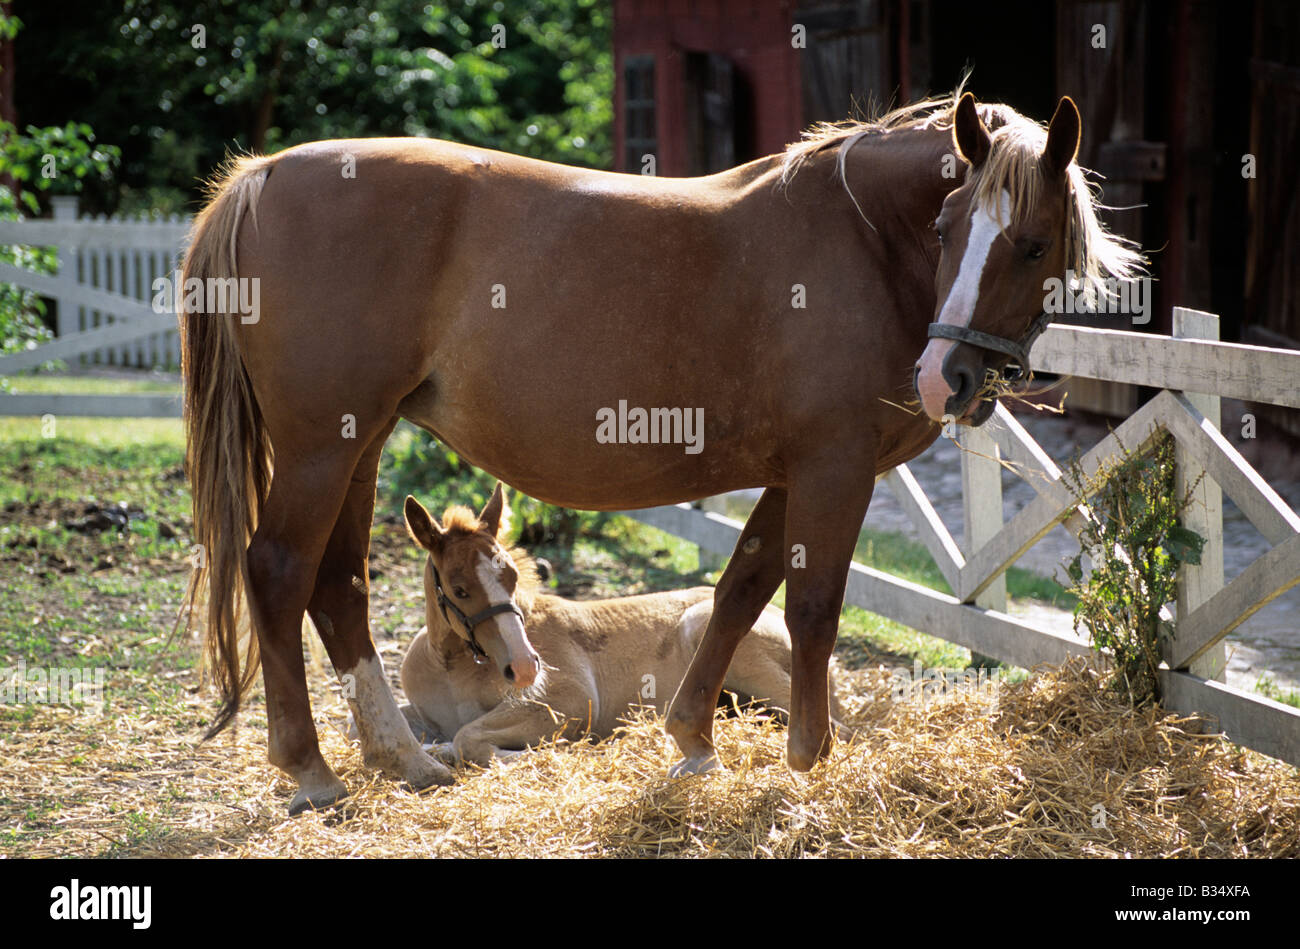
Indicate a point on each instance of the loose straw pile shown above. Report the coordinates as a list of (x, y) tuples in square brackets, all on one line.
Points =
[(1052, 767)]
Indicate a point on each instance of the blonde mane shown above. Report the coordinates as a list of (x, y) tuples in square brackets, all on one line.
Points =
[(1092, 253)]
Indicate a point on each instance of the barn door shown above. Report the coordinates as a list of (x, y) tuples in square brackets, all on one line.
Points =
[(711, 128), (1101, 64), (1272, 286), (848, 62), (1273, 245)]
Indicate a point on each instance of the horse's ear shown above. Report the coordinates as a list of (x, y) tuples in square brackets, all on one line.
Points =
[(423, 528), (969, 133), (490, 518), (1062, 138)]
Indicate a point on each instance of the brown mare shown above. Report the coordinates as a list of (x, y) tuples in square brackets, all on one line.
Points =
[(601, 659), (507, 305)]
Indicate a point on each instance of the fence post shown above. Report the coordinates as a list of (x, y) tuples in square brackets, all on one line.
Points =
[(709, 561), (65, 208), (1197, 583), (981, 490)]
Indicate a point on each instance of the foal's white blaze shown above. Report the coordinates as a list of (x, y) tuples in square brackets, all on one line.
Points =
[(524, 660), (959, 308)]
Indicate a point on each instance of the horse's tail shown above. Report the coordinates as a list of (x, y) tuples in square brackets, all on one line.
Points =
[(227, 452)]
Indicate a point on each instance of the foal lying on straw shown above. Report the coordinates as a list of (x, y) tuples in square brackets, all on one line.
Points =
[(599, 660)]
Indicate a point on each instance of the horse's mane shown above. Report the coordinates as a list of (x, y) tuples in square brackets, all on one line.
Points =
[(1092, 252)]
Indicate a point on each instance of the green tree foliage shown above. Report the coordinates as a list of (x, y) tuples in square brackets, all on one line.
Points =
[(56, 159), (415, 464), (179, 85)]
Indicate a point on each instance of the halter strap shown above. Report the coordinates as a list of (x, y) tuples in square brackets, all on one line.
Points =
[(469, 622), (1018, 350)]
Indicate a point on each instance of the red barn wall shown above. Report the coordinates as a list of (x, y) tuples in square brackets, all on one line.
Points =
[(754, 34)]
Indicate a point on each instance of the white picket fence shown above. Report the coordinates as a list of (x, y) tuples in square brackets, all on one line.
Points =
[(102, 293), (1195, 370)]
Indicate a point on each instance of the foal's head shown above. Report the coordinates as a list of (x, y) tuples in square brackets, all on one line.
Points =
[(470, 583), (1024, 214)]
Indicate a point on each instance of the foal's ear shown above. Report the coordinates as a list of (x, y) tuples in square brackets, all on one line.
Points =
[(969, 133), (490, 518), (423, 528), (1062, 138)]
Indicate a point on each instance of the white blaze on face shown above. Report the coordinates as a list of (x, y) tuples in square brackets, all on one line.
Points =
[(959, 307), (523, 659)]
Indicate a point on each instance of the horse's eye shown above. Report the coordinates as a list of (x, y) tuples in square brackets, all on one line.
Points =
[(1036, 252), (460, 593), (938, 229)]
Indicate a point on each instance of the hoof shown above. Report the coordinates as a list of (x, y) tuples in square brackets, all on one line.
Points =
[(699, 765), (425, 772), (317, 799), (443, 751), (801, 761)]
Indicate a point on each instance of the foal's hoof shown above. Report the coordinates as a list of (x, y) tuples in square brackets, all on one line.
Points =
[(701, 764), (442, 751), (425, 772), (318, 798)]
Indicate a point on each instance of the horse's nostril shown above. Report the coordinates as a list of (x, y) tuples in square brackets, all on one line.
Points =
[(509, 673), (965, 386)]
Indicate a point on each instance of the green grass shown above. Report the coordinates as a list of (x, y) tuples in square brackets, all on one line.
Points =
[(1271, 690), (95, 600), (123, 435), (142, 383)]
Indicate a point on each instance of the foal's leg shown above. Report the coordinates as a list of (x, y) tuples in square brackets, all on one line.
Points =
[(283, 556), (754, 572), (340, 609), (505, 731), (824, 516)]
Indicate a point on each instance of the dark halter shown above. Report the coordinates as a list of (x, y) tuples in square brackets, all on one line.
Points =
[(469, 622), (1018, 350)]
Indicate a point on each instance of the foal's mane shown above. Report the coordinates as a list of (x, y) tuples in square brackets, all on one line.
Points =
[(1012, 165), (461, 522)]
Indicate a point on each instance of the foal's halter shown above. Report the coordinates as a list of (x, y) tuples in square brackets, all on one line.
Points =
[(1018, 350), (469, 622)]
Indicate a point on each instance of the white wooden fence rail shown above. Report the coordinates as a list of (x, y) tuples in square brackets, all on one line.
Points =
[(103, 292), (1194, 373)]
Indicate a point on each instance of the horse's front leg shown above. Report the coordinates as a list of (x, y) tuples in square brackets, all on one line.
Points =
[(823, 521), (753, 573)]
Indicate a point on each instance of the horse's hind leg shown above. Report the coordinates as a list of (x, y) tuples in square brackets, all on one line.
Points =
[(283, 556), (339, 607), (752, 576)]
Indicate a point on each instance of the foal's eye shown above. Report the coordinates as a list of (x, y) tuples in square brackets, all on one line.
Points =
[(460, 593)]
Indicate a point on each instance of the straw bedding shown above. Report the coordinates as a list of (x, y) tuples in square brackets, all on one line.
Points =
[(1052, 767)]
